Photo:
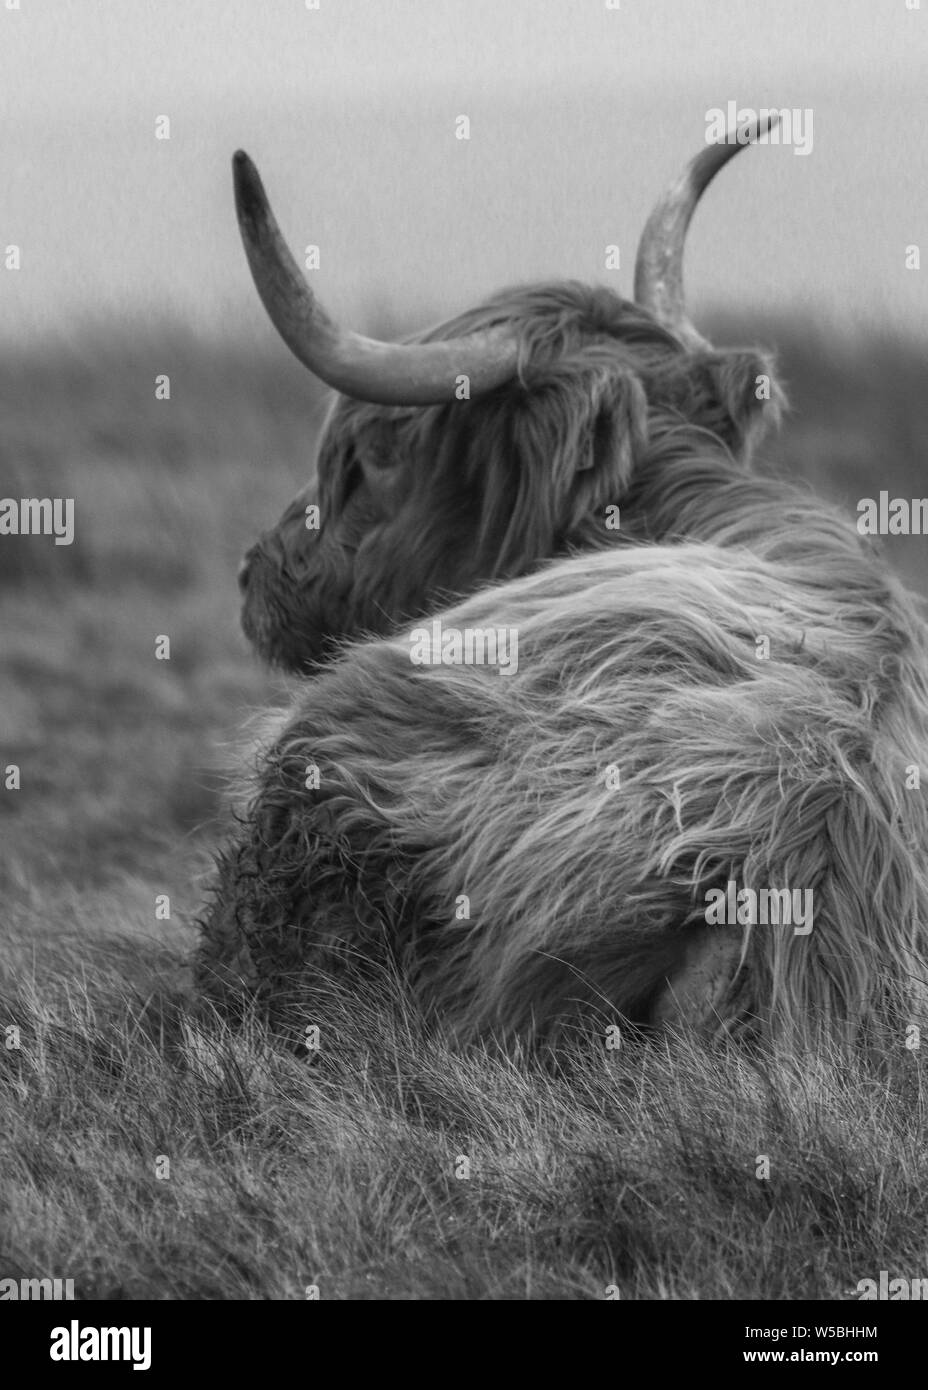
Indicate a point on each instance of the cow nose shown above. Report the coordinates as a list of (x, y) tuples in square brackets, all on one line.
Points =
[(243, 571)]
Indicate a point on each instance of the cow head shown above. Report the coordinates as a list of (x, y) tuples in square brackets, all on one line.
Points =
[(474, 451)]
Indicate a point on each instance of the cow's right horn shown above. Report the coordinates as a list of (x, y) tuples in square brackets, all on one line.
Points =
[(659, 263)]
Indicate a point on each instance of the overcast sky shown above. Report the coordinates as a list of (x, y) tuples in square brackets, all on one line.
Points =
[(578, 114)]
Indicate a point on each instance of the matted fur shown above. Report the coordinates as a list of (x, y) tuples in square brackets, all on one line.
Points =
[(450, 780)]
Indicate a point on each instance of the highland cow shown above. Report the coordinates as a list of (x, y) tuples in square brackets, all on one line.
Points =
[(725, 699), (580, 409)]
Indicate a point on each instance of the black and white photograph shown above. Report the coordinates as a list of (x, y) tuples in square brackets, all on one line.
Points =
[(464, 664)]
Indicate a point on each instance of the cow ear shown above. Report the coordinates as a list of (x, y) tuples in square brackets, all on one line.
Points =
[(581, 417), (616, 425), (547, 451), (744, 398)]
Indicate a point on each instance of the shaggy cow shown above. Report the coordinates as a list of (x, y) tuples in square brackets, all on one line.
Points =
[(730, 718)]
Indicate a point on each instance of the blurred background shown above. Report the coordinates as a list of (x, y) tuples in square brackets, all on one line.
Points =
[(131, 268), (579, 111)]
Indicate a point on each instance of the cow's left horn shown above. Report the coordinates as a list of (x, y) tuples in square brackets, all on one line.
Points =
[(386, 373), (659, 263)]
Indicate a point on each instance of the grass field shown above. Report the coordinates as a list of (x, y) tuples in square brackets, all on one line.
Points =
[(344, 1169)]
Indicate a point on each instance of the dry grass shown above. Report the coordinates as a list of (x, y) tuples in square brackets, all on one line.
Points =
[(341, 1167)]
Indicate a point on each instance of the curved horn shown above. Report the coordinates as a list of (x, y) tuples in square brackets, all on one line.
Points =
[(659, 263), (385, 373)]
